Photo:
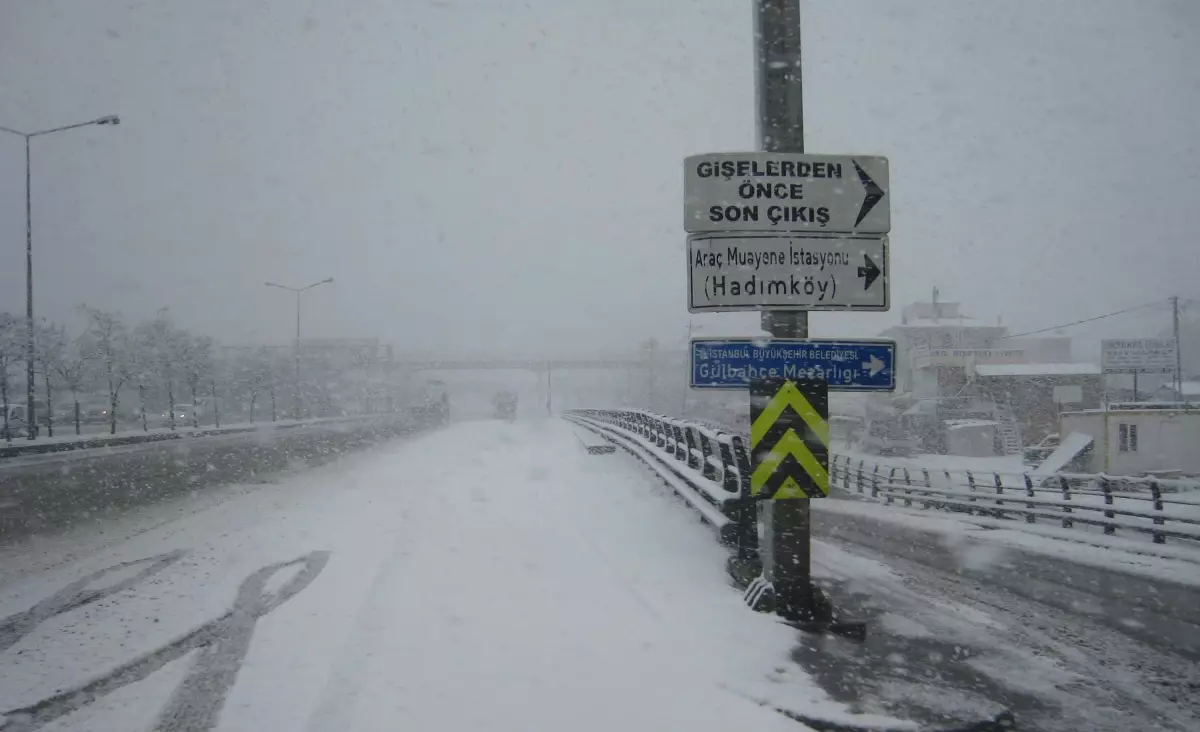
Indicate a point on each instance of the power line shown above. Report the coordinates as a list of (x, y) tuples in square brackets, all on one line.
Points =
[(1085, 320)]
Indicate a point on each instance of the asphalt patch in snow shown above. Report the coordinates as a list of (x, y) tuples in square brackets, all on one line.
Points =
[(912, 675)]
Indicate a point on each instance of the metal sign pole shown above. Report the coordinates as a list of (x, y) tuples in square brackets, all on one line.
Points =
[(780, 122)]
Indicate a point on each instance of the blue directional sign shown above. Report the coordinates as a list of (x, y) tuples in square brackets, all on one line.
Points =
[(730, 363)]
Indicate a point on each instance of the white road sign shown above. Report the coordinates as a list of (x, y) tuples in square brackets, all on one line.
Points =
[(787, 272), (767, 191), (1138, 356)]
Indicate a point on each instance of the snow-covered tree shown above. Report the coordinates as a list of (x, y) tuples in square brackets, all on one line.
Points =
[(162, 346), (251, 376), (12, 345), (73, 369), (196, 366), (108, 344), (49, 350)]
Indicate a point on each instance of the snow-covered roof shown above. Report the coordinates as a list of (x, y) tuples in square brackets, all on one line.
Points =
[(946, 323), (959, 423), (728, 325), (1037, 369)]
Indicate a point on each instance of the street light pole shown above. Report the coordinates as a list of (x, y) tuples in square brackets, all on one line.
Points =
[(30, 413), (296, 350), (30, 416)]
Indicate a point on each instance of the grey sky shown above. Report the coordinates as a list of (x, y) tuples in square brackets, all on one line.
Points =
[(487, 176)]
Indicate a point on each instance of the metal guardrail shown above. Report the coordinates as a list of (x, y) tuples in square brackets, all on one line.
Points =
[(91, 442), (708, 468), (714, 467), (1122, 503)]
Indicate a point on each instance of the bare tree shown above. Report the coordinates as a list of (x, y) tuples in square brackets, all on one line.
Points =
[(109, 341)]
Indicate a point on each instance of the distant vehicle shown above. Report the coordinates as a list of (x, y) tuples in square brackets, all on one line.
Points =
[(185, 414), (505, 403)]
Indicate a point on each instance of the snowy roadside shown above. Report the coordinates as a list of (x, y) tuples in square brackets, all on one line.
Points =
[(949, 643), (486, 576), (1178, 563), (20, 447)]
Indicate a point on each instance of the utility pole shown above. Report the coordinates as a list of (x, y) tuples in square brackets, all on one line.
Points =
[(1178, 349), (296, 355), (785, 545)]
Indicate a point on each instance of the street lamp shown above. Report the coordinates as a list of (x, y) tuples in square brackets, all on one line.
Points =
[(298, 290), (111, 119)]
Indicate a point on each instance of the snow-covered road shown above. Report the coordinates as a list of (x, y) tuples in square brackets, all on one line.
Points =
[(959, 624), (488, 576)]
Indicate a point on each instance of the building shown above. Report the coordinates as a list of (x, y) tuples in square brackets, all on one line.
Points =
[(1139, 439), (1037, 392), (952, 369), (935, 343)]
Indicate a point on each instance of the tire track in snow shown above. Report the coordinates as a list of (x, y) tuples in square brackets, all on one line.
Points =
[(222, 643)]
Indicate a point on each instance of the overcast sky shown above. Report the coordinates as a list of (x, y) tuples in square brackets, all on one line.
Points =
[(506, 174)]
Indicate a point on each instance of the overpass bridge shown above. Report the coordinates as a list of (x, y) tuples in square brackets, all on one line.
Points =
[(412, 365)]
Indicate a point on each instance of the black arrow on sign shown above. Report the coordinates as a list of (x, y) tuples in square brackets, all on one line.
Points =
[(874, 193), (869, 272)]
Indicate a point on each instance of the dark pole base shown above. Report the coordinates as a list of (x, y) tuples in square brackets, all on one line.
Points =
[(805, 608), (743, 570)]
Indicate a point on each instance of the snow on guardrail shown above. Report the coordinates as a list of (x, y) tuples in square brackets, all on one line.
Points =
[(1159, 507), (715, 466), (41, 446)]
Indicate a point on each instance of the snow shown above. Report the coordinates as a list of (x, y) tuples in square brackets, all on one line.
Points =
[(488, 576), (1073, 444), (1037, 369), (959, 423)]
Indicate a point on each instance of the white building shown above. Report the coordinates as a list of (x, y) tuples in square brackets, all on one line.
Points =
[(1139, 439)]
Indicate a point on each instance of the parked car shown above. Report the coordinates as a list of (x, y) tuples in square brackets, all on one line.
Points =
[(13, 426), (17, 424)]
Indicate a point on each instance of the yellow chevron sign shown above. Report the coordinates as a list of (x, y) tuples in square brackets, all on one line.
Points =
[(789, 439)]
